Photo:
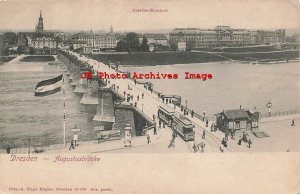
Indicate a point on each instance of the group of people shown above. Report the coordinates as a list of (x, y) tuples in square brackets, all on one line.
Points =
[(245, 139)]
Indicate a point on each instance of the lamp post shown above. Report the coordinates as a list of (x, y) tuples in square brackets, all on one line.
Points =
[(186, 111)]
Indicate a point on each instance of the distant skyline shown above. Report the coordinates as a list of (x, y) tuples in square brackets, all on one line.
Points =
[(80, 15)]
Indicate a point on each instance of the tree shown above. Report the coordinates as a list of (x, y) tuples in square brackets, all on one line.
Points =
[(31, 51), (21, 49), (132, 42), (145, 46), (121, 46), (5, 51)]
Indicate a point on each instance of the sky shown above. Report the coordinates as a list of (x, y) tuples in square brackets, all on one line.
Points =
[(72, 15)]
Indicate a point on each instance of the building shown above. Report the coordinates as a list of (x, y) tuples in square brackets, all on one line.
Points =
[(86, 37), (224, 36), (42, 43), (105, 41), (156, 39), (99, 40), (238, 120)]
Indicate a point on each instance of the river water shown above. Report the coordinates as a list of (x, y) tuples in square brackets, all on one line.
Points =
[(24, 116)]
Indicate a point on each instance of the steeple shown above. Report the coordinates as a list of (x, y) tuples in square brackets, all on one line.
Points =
[(40, 26), (111, 29)]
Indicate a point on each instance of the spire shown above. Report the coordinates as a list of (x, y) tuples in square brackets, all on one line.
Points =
[(111, 29), (40, 13)]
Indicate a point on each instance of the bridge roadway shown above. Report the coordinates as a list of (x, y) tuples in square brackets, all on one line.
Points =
[(149, 106)]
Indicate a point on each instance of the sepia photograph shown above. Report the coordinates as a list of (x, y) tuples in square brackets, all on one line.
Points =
[(152, 81)]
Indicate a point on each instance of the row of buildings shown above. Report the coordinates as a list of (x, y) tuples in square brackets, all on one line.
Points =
[(224, 36), (41, 42)]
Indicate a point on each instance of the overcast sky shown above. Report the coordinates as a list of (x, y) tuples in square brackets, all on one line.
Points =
[(97, 14)]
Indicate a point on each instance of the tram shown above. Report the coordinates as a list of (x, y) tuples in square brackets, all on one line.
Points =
[(184, 127), (165, 115), (179, 123)]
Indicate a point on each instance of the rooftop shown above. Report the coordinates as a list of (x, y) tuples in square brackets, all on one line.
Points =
[(236, 114)]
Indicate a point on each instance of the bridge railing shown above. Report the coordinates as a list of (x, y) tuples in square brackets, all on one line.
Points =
[(280, 113)]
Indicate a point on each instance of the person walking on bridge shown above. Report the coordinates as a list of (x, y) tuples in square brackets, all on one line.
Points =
[(203, 134), (293, 123), (142, 95), (249, 143), (148, 139)]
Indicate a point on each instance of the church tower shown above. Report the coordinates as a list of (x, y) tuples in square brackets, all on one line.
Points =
[(40, 27)]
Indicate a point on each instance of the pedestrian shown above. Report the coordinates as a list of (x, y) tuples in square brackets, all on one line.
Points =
[(124, 93), (8, 149), (117, 88), (192, 113), (195, 147), (131, 97), (75, 138), (153, 116), (240, 141), (293, 123), (142, 95), (202, 145), (223, 142), (226, 135), (222, 148), (154, 131), (148, 139), (159, 123), (212, 127), (203, 134), (249, 143), (206, 123), (72, 145), (138, 97), (244, 137), (172, 143)]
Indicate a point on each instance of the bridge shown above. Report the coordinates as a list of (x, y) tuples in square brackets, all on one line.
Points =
[(146, 106)]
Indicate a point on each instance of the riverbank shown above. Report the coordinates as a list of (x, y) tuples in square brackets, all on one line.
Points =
[(167, 58), (4, 59)]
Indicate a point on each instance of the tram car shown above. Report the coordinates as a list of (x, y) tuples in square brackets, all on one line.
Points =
[(184, 127), (179, 123), (165, 114)]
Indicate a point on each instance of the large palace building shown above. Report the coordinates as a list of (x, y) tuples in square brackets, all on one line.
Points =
[(224, 36)]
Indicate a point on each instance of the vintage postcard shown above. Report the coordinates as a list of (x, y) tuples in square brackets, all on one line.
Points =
[(139, 96)]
